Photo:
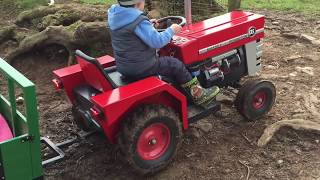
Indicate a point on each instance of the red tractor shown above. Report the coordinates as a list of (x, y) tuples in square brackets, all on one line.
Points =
[(147, 117)]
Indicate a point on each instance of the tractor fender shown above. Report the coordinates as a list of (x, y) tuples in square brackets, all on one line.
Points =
[(117, 104)]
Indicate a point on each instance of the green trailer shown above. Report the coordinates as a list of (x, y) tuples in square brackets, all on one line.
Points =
[(20, 157)]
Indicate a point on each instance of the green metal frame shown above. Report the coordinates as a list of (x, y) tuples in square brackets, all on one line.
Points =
[(20, 156)]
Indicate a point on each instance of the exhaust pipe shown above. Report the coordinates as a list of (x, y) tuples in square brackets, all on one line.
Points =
[(188, 11)]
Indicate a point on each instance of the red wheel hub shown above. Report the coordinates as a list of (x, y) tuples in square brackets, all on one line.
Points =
[(259, 99), (153, 141)]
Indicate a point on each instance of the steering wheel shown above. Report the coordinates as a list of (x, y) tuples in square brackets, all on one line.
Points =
[(166, 22)]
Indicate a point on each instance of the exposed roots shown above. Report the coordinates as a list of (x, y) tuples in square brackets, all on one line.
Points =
[(297, 124), (72, 37), (72, 26), (310, 102)]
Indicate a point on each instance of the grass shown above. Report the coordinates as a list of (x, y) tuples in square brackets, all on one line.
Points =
[(305, 6), (28, 4)]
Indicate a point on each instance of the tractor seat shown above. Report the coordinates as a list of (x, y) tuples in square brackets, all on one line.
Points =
[(117, 77), (110, 73)]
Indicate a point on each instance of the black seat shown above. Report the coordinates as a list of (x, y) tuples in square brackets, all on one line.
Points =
[(117, 77), (110, 73)]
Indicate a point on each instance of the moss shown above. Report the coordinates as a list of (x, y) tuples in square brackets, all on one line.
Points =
[(6, 33), (73, 27)]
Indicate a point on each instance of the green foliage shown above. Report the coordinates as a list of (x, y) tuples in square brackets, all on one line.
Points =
[(99, 1), (305, 6)]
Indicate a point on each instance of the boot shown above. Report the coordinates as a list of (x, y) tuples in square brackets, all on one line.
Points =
[(200, 95)]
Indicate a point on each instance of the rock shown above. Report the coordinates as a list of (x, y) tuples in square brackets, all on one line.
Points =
[(225, 99), (300, 45), (20, 100), (190, 155), (227, 171), (317, 141), (204, 126), (318, 22), (291, 35), (193, 132), (294, 74), (307, 70), (316, 42), (292, 58), (275, 23), (298, 151), (271, 67), (280, 162), (315, 57), (308, 37)]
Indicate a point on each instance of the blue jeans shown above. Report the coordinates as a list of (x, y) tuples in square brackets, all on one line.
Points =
[(172, 68)]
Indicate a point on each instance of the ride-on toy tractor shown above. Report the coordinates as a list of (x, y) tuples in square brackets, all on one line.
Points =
[(147, 117)]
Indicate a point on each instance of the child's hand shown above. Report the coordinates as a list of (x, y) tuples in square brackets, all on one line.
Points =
[(155, 23), (176, 28)]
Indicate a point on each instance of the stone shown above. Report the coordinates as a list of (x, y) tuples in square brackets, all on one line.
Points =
[(271, 67), (298, 151), (190, 155), (193, 132), (292, 58), (317, 141), (316, 42), (223, 97), (280, 162), (204, 126), (315, 57), (308, 37), (291, 35), (275, 23), (300, 45), (294, 74), (306, 70), (20, 100)]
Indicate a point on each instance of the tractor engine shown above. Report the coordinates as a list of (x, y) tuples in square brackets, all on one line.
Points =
[(222, 50)]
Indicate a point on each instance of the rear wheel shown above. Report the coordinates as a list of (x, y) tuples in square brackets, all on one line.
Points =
[(150, 138), (80, 120), (255, 99)]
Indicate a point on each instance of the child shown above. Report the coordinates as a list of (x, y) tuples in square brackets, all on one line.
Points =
[(135, 40)]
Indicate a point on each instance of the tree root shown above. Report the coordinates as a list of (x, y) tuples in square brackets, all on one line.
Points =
[(297, 124), (72, 37), (72, 26), (6, 33)]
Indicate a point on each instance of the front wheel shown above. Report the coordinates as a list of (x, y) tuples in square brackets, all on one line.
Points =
[(151, 138), (255, 99)]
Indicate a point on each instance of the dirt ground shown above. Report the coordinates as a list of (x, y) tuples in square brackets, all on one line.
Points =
[(215, 154)]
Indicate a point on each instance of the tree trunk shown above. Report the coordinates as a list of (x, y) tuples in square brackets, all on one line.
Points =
[(234, 5)]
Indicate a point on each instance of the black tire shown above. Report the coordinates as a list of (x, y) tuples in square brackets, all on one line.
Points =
[(255, 99), (80, 121), (133, 128)]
